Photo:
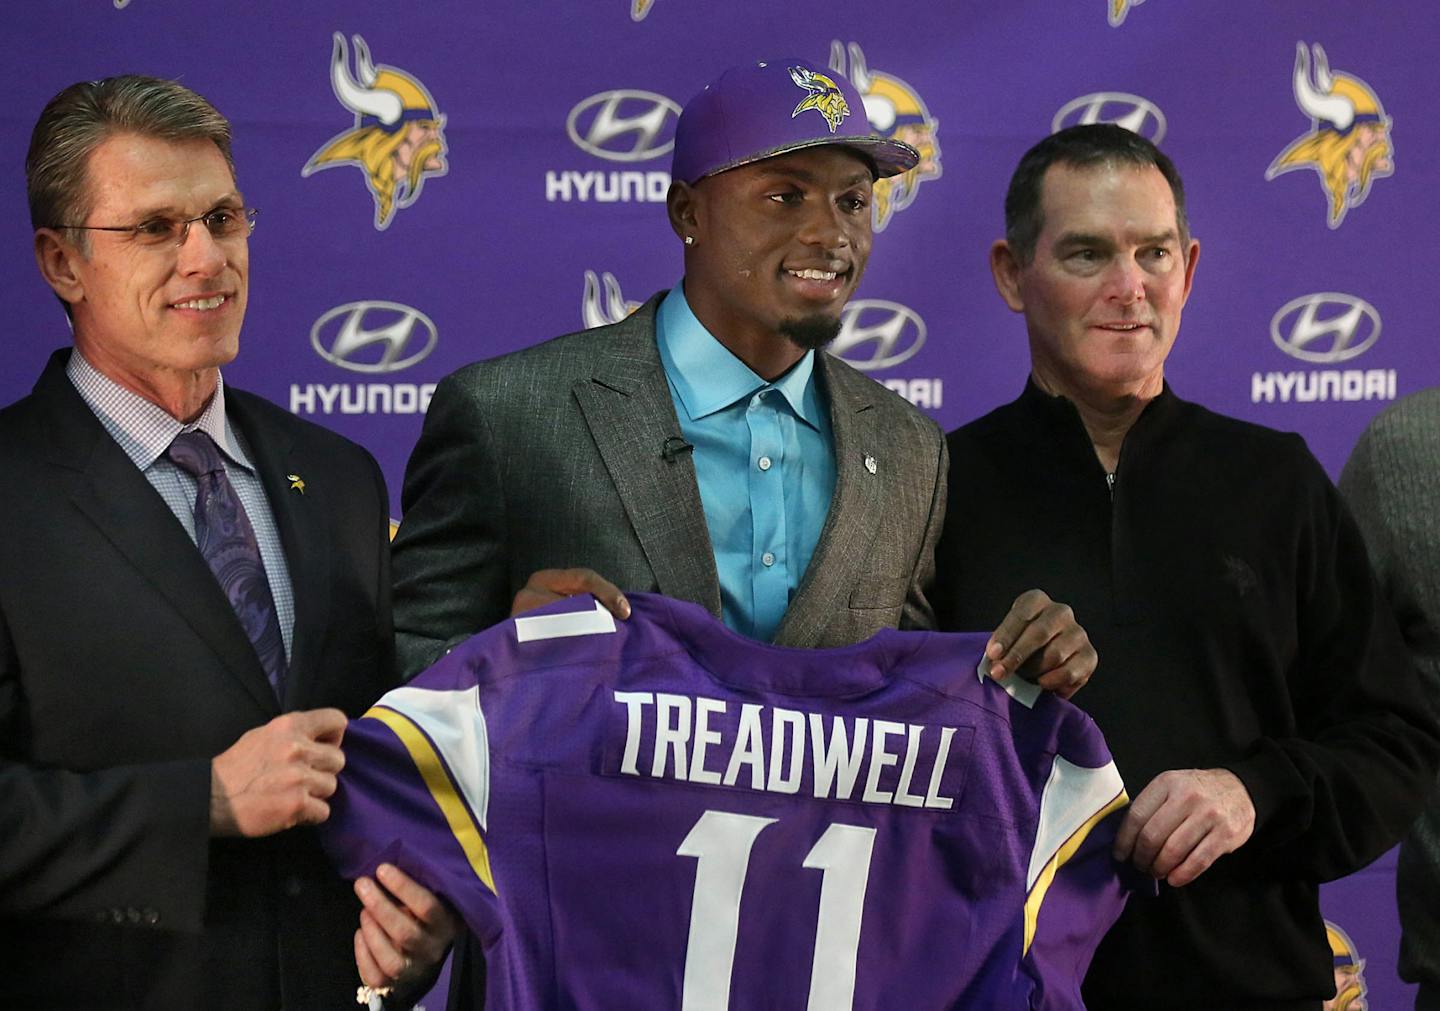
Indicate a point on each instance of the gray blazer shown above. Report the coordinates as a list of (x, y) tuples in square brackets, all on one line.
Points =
[(555, 456)]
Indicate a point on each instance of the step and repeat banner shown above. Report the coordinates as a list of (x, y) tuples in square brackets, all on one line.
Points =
[(448, 181)]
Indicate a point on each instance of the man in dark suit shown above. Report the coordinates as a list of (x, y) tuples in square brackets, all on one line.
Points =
[(187, 575), (704, 447)]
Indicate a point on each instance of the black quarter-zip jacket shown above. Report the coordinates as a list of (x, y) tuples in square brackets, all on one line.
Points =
[(1229, 597)]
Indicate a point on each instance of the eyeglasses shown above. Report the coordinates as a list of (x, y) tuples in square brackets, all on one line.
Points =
[(225, 224)]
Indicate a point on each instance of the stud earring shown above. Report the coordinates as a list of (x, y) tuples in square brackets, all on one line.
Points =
[(689, 240)]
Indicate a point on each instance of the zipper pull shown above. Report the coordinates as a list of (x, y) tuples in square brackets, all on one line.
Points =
[(1110, 484)]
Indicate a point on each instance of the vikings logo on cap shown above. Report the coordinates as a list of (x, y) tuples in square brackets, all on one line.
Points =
[(1120, 8), (895, 110), (398, 140), (639, 8), (1348, 144), (824, 96)]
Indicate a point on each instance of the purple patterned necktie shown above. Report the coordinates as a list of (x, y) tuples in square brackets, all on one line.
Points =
[(227, 540)]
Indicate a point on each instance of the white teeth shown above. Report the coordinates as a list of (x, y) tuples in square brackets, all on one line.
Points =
[(202, 303), (815, 275)]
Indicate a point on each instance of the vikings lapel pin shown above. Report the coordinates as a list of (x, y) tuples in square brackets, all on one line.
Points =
[(869, 463), (297, 483)]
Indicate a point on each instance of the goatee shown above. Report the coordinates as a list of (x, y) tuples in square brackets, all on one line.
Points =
[(810, 332)]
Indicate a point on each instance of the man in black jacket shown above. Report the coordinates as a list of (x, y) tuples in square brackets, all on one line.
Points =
[(1255, 694)]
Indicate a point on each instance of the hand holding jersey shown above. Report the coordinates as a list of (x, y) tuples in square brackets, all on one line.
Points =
[(405, 931), (1040, 640), (1183, 821), (549, 585)]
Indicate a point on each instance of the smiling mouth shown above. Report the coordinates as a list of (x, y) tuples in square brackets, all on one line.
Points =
[(203, 304), (811, 274)]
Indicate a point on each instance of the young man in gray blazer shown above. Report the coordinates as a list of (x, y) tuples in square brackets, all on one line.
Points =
[(704, 447)]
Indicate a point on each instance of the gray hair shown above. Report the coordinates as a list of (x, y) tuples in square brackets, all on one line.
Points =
[(80, 118)]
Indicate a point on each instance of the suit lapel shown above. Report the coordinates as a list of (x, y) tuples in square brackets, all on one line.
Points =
[(628, 409), (299, 517), (856, 510), (115, 496)]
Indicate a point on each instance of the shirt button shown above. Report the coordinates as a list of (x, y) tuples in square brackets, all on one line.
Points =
[(768, 558), (763, 463)]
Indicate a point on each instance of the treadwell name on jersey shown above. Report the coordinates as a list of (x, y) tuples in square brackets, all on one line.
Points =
[(772, 749)]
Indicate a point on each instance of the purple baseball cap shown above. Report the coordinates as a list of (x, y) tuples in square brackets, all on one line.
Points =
[(773, 107)]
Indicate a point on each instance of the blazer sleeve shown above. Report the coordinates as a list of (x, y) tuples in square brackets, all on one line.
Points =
[(450, 573), (120, 845), (919, 612)]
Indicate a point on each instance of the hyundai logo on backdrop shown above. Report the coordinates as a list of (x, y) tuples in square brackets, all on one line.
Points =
[(1324, 328), (624, 125), (876, 334), (1136, 114), (373, 336), (376, 338)]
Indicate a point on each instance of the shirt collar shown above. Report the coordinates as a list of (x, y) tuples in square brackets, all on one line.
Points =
[(143, 429), (707, 377)]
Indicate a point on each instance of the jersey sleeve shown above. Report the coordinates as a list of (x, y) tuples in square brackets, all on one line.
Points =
[(415, 793), (1074, 888)]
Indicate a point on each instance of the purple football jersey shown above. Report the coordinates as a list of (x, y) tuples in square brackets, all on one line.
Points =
[(659, 813)]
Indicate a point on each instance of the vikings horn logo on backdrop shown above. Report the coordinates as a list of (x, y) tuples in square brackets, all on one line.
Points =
[(615, 306), (896, 111), (1118, 10), (639, 8), (823, 95), (398, 140), (1348, 144)]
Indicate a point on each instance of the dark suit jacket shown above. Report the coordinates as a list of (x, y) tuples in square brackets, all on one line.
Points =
[(552, 457), (123, 670)]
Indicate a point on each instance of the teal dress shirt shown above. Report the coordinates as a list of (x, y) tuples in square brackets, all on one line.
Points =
[(764, 460)]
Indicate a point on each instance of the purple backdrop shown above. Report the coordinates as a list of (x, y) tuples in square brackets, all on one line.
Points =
[(553, 122)]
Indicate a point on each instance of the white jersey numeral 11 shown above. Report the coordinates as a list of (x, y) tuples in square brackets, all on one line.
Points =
[(721, 842)]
